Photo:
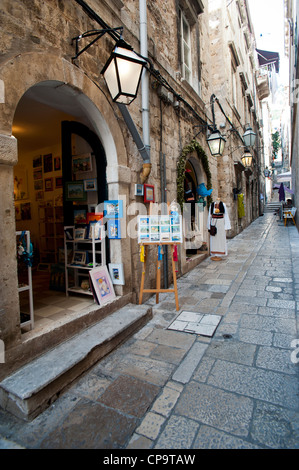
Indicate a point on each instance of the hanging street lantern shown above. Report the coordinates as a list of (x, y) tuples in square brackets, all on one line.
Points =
[(216, 143), (247, 159), (122, 73), (249, 137)]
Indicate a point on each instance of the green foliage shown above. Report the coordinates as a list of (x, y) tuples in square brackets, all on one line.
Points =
[(181, 165), (276, 143)]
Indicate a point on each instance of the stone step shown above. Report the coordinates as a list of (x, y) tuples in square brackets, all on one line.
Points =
[(272, 206), (32, 388)]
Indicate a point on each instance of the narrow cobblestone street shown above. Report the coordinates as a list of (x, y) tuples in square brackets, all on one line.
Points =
[(166, 389)]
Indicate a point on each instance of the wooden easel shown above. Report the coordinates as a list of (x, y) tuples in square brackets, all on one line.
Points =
[(158, 289)]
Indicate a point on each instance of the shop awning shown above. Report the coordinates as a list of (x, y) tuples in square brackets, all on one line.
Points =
[(268, 58)]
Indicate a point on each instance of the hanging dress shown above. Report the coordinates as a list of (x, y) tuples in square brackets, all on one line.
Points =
[(218, 216)]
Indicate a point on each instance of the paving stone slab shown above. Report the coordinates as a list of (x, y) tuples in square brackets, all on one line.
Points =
[(275, 427), (223, 410), (270, 386), (210, 438), (91, 426), (178, 433), (129, 395)]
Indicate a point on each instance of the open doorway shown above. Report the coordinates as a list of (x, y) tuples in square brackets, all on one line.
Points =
[(52, 128), (196, 244)]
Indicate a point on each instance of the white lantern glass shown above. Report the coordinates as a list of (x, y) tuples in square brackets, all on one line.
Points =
[(249, 138), (216, 143), (247, 160), (122, 74)]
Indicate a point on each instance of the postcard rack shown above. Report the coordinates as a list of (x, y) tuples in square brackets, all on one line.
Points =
[(159, 231)]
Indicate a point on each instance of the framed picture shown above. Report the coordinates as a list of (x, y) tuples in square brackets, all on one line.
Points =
[(139, 190), (74, 191), (48, 184), (37, 161), (113, 228), (39, 185), (79, 257), (48, 163), (117, 273), (113, 209), (37, 174), (149, 193), (81, 163), (39, 195), (26, 211), (79, 233), (102, 286), (80, 216), (90, 185), (57, 164), (97, 227), (58, 182), (93, 216)]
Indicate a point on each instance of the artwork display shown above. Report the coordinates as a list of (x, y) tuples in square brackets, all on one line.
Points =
[(79, 216), (139, 191), (48, 184), (90, 185), (74, 191), (160, 228), (113, 228), (37, 161), (149, 193), (79, 233), (48, 163), (102, 286), (81, 163), (113, 209), (117, 273)]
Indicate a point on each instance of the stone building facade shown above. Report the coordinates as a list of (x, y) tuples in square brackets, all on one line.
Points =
[(53, 104)]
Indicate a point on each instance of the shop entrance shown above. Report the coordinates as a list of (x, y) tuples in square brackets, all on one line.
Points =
[(196, 243), (54, 134)]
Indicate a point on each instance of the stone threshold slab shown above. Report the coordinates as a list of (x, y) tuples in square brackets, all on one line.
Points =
[(32, 388)]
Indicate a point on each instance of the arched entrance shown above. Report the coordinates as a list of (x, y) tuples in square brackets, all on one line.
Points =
[(51, 133), (57, 87)]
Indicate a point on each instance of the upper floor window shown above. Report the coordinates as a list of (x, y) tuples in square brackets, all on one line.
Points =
[(186, 48)]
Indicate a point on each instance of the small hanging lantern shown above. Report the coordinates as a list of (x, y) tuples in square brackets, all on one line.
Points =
[(247, 159), (249, 137)]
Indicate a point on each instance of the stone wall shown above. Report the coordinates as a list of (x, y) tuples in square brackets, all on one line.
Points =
[(36, 39)]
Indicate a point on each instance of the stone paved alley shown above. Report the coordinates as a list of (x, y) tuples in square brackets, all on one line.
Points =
[(165, 389)]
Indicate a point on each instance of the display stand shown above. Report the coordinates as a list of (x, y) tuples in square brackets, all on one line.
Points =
[(95, 248), (158, 289), (27, 287)]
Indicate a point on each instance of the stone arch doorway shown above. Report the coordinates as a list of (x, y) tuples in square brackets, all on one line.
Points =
[(50, 131), (56, 83), (195, 214)]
